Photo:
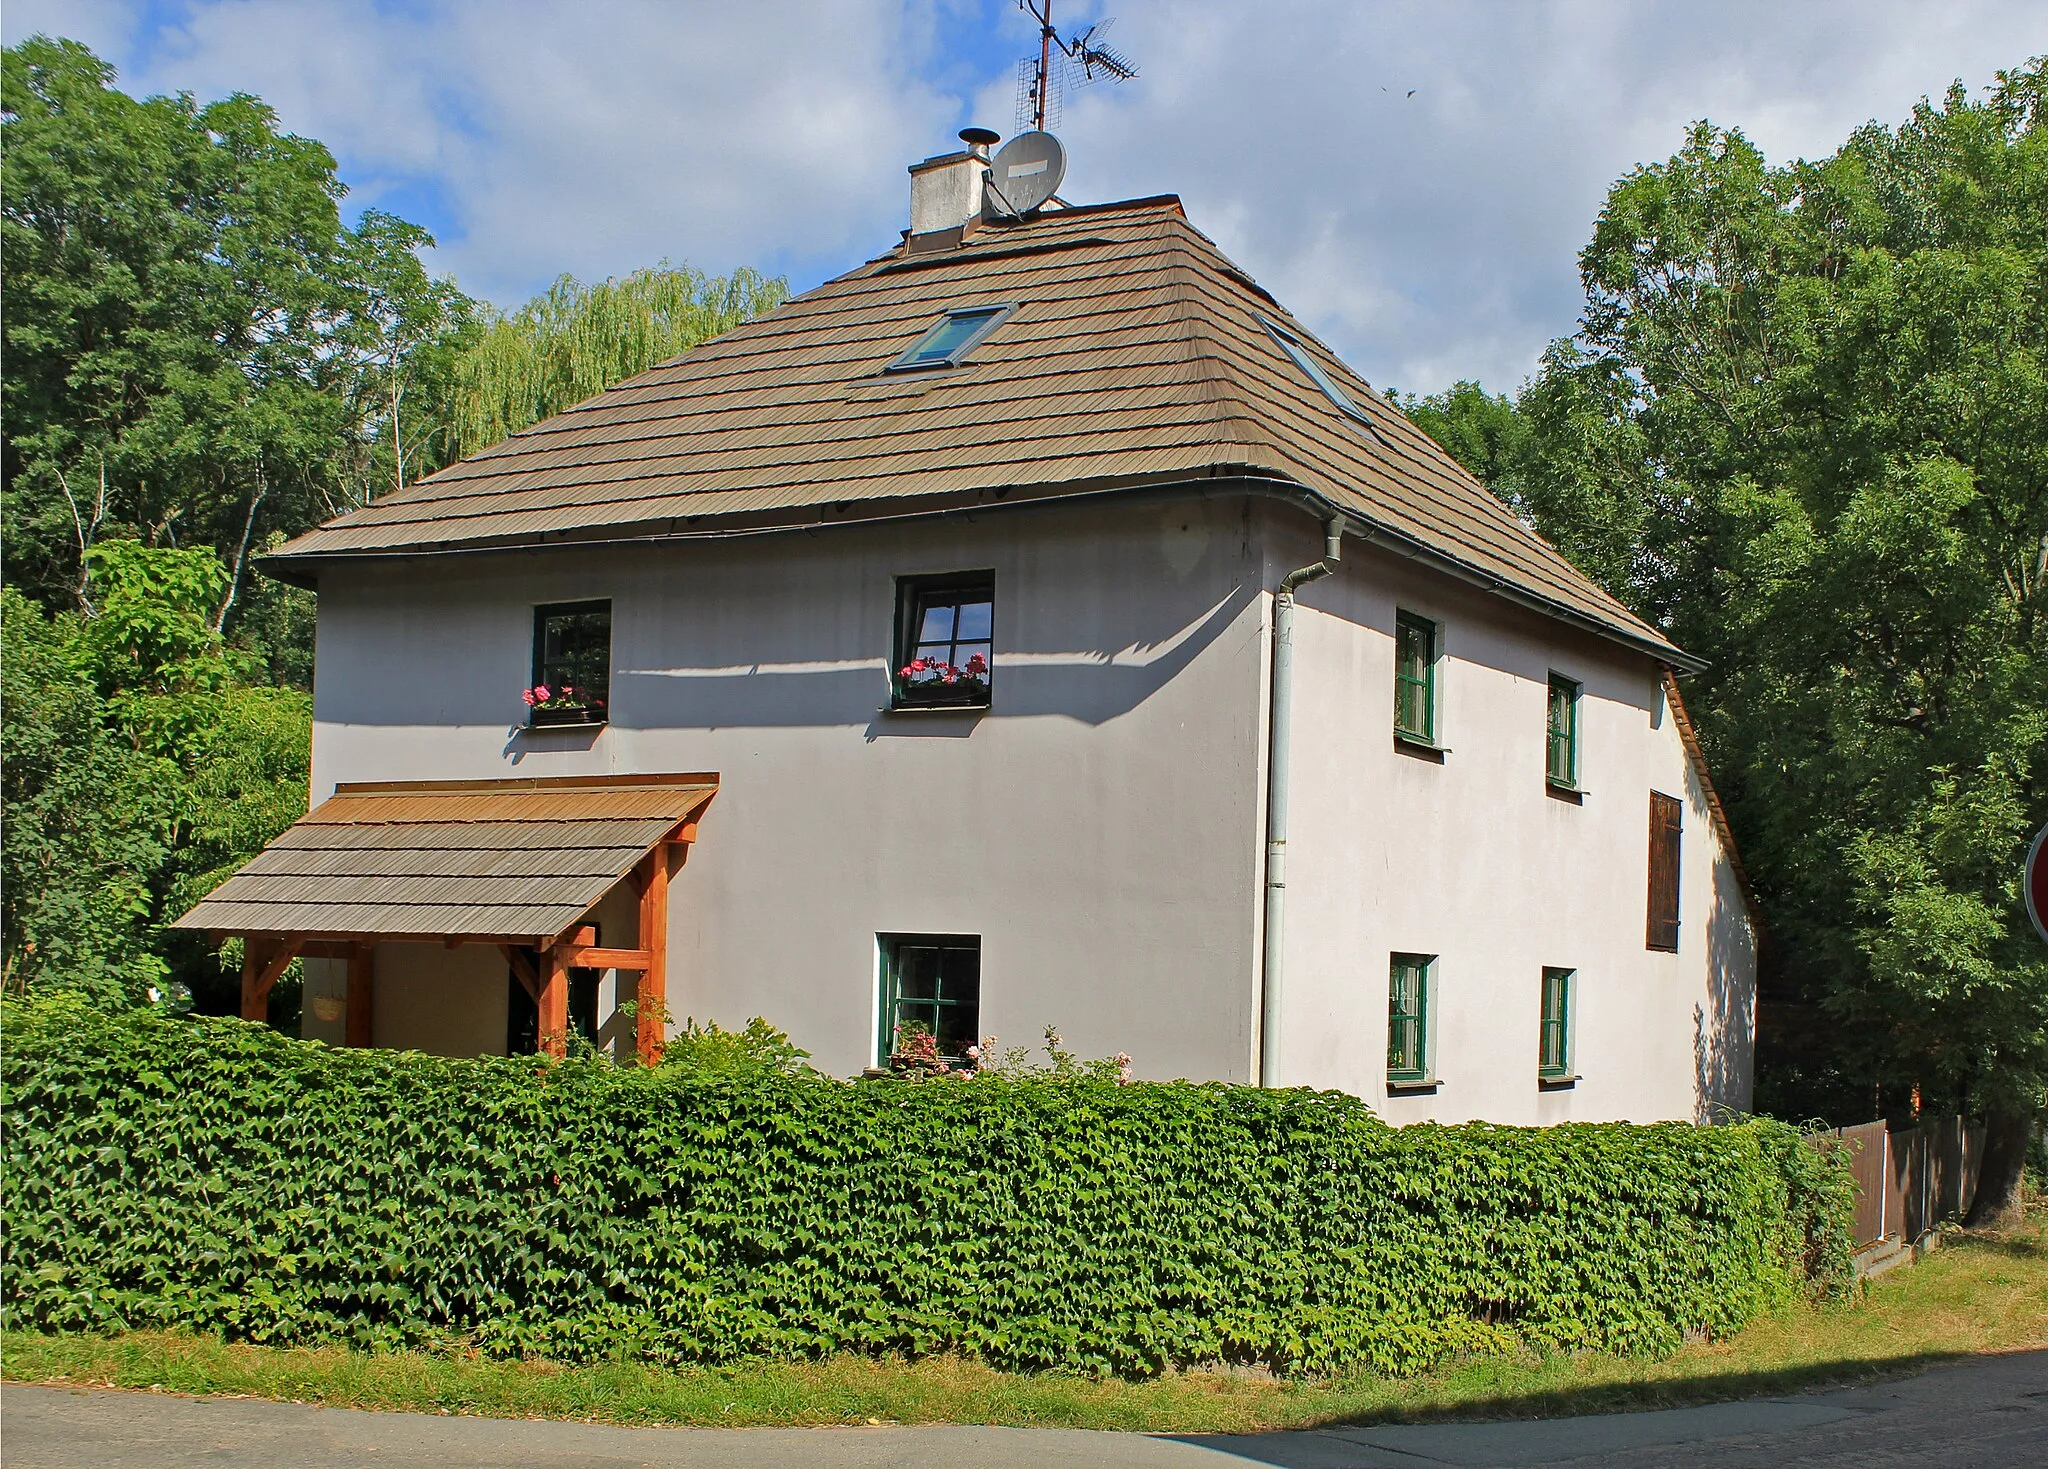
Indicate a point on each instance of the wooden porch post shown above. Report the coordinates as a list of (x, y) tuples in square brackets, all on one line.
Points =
[(362, 974), (554, 1003), (255, 1002), (653, 992)]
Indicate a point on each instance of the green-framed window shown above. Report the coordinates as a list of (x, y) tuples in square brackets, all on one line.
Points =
[(1415, 678), (1561, 766), (933, 980), (1408, 997), (1554, 1038)]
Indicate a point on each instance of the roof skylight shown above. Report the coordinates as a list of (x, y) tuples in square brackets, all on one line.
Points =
[(951, 338), (1313, 370)]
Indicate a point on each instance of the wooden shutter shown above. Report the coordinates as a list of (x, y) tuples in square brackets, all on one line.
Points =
[(1666, 815)]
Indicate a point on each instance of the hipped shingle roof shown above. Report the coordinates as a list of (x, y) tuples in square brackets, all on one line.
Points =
[(1136, 355)]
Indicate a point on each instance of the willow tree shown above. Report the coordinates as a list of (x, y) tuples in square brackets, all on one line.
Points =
[(577, 340)]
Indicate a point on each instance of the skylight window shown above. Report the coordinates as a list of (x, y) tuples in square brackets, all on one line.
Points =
[(1313, 371), (951, 338)]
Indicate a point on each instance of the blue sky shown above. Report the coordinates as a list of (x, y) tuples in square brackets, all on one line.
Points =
[(1427, 237)]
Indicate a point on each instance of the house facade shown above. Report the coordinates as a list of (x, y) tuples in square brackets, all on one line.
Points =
[(1033, 626)]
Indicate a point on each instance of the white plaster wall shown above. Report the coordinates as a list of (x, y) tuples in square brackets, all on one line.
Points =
[(1100, 828), (1471, 860)]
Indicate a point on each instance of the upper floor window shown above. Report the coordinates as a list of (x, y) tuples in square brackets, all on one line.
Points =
[(1554, 1030), (952, 337), (1409, 983), (1667, 814), (572, 663), (945, 640), (1562, 763), (1415, 650)]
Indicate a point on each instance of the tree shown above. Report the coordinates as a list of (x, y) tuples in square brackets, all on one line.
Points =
[(198, 351), (577, 340), (140, 767), (1805, 430)]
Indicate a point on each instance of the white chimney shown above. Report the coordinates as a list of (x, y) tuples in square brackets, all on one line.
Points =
[(945, 192)]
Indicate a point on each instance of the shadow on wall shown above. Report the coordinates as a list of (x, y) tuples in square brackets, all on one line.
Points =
[(781, 687), (1724, 1034)]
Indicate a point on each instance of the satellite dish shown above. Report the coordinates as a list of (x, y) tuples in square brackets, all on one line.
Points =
[(1027, 171)]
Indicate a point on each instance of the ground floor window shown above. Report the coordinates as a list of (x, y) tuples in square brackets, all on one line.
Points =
[(1408, 1006), (931, 981), (1554, 1041)]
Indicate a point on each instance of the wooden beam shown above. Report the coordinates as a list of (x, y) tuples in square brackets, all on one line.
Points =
[(262, 963), (521, 964), (253, 999), (326, 949), (362, 996), (554, 1004), (589, 956), (650, 1024), (335, 944)]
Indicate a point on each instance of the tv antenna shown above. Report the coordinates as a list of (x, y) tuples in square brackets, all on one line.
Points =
[(1076, 60)]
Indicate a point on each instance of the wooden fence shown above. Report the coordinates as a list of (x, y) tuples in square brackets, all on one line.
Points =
[(1909, 1179)]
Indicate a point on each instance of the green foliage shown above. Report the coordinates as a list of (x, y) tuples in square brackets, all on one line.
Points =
[(577, 340), (216, 1175), (198, 351), (87, 819), (1805, 430), (140, 768), (708, 1050)]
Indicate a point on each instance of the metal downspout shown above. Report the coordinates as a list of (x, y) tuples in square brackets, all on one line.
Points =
[(1280, 723)]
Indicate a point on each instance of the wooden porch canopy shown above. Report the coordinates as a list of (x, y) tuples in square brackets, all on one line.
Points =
[(518, 864)]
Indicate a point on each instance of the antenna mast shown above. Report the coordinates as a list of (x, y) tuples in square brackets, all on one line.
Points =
[(1041, 78), (1042, 83)]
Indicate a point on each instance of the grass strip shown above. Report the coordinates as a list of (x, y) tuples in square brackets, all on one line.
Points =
[(1975, 1294)]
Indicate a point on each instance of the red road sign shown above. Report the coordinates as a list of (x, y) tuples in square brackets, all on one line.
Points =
[(2036, 883)]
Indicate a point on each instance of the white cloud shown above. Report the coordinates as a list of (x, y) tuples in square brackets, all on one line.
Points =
[(1428, 237), (1435, 236)]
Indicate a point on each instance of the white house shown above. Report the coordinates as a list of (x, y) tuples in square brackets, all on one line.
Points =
[(1244, 731)]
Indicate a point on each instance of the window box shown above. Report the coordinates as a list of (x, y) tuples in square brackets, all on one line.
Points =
[(945, 642), (564, 716)]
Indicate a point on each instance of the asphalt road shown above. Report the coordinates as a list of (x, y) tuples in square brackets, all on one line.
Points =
[(1991, 1412)]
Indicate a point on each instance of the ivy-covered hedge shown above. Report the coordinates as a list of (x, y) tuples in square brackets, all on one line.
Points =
[(216, 1175)]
